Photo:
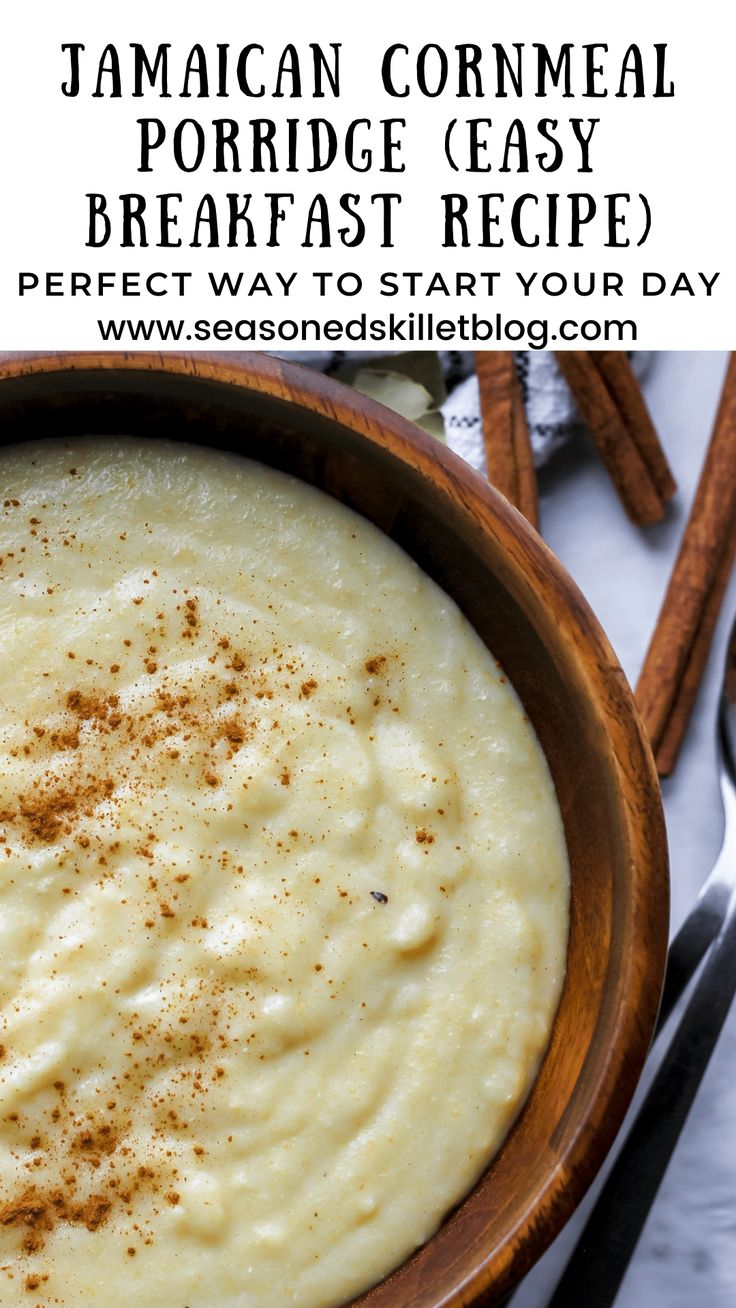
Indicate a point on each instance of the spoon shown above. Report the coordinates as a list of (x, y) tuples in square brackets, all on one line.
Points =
[(601, 1256)]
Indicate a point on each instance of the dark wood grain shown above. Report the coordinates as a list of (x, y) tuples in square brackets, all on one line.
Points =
[(533, 618)]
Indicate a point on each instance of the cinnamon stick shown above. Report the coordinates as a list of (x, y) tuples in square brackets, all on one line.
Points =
[(509, 459), (687, 691), (527, 499), (616, 446), (617, 373), (678, 649)]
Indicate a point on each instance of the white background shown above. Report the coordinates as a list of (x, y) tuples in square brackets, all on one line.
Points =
[(674, 150)]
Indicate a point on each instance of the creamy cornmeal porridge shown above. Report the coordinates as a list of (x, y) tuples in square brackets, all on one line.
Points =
[(283, 888)]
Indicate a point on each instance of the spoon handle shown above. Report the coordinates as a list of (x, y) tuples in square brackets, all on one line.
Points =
[(705, 920), (600, 1259), (691, 944)]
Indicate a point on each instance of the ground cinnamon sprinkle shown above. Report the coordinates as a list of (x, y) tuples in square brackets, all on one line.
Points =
[(99, 1151), (95, 1211), (40, 1212), (52, 809), (191, 619), (95, 1141), (376, 664), (92, 753), (45, 814), (32, 1210), (89, 707)]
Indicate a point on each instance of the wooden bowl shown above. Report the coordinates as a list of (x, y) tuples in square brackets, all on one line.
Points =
[(526, 608)]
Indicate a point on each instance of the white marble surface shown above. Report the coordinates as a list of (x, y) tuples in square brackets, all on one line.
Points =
[(687, 1253)]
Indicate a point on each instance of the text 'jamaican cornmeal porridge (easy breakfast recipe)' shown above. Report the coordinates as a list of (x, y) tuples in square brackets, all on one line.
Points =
[(283, 888)]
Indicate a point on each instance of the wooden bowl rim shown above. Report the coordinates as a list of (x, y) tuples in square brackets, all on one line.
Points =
[(639, 988)]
